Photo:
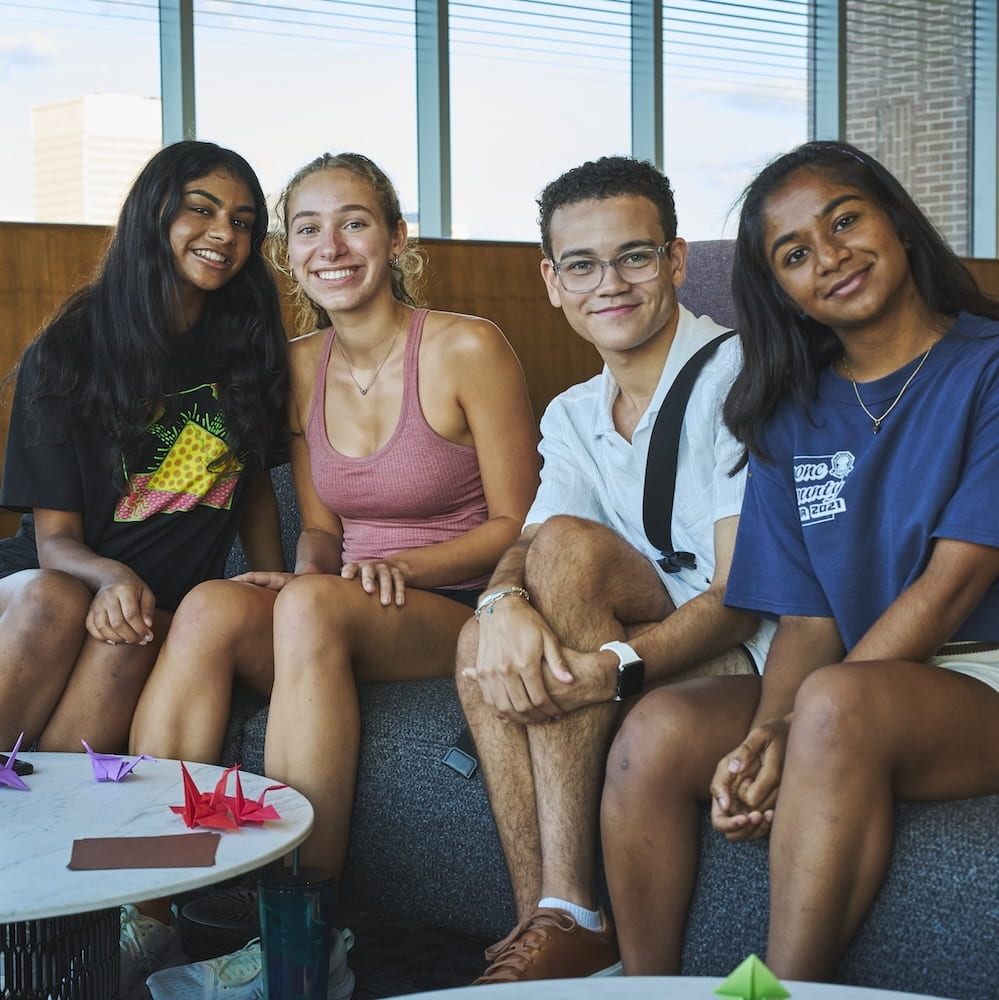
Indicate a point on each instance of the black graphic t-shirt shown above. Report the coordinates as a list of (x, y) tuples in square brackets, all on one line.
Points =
[(176, 523)]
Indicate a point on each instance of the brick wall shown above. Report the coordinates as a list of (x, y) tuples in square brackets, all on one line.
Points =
[(908, 100)]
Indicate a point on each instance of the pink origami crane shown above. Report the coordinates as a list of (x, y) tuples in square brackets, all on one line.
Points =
[(7, 775), (108, 767), (221, 811)]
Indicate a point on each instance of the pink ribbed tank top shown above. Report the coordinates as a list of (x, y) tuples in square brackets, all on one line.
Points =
[(418, 489)]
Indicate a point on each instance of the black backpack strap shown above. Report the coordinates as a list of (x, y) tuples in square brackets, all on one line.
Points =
[(660, 468)]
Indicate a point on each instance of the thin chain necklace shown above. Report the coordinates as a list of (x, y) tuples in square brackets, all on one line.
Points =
[(363, 389), (878, 420)]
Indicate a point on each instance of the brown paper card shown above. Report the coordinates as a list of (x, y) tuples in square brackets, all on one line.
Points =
[(179, 850)]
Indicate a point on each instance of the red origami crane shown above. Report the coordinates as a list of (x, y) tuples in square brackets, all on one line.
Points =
[(221, 811)]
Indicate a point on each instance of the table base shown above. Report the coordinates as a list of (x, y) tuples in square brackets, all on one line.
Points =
[(65, 958)]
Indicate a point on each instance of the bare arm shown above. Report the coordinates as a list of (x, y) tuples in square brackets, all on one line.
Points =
[(914, 626), (746, 781), (319, 544), (123, 604), (488, 407), (928, 612), (260, 531), (698, 630)]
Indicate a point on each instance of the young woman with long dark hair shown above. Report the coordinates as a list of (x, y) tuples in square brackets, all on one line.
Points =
[(144, 417), (869, 405)]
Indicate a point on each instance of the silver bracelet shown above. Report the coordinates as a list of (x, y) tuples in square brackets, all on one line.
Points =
[(486, 601)]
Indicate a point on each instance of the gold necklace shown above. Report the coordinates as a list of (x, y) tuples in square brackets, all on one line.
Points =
[(894, 402), (363, 389)]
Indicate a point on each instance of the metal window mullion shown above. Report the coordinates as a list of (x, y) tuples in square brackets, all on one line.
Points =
[(177, 70), (984, 210), (828, 70), (647, 126), (433, 118)]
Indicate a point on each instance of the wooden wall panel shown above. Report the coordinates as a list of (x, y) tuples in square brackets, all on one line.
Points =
[(40, 264)]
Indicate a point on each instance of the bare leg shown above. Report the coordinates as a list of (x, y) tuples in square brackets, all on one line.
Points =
[(549, 840), (327, 632), (100, 696), (42, 615), (504, 757), (585, 607), (864, 734), (221, 629), (658, 774)]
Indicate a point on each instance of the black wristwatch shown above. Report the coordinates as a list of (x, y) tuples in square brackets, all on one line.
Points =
[(630, 670)]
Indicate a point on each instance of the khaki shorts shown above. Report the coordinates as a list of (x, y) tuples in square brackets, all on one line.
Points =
[(732, 663), (974, 659)]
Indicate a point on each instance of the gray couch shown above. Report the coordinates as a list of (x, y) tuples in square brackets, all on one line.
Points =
[(424, 846)]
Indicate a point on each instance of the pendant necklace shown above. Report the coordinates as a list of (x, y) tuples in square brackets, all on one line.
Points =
[(878, 420), (363, 389)]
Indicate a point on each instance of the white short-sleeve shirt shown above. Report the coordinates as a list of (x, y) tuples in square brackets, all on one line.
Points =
[(592, 471)]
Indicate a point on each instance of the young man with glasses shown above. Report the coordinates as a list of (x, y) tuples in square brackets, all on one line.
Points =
[(583, 612)]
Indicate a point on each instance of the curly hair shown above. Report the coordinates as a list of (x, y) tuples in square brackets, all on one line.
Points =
[(607, 177), (406, 269), (784, 350), (108, 348)]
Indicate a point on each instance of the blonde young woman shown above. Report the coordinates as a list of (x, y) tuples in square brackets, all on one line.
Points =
[(413, 457)]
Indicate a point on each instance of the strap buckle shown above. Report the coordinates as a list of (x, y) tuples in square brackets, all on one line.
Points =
[(673, 562)]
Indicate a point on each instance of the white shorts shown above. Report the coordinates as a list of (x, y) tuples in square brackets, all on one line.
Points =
[(982, 664)]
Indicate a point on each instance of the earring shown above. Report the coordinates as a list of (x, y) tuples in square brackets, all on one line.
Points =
[(394, 262)]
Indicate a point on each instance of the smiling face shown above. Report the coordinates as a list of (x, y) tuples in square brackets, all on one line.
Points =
[(616, 316), (835, 252), (339, 244), (210, 236)]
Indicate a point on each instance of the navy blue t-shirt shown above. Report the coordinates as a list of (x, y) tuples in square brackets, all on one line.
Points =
[(843, 520)]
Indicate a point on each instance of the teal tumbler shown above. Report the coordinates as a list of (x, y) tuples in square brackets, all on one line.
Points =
[(296, 928)]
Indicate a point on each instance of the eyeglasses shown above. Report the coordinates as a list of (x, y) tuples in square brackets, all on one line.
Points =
[(584, 274)]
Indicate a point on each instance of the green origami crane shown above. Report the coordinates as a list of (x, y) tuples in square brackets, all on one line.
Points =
[(752, 980)]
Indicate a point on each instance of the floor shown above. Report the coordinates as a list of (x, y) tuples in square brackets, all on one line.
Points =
[(390, 958)]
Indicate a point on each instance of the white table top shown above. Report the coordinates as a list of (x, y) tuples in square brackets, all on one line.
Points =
[(652, 988), (38, 827)]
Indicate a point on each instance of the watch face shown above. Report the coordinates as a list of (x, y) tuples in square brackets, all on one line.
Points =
[(630, 680)]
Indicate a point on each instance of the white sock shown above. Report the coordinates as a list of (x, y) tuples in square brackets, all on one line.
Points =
[(588, 919)]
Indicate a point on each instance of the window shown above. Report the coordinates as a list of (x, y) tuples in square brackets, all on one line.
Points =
[(79, 106), (736, 95), (282, 83), (536, 88)]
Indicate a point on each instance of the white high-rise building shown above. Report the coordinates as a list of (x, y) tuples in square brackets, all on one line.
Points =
[(87, 151)]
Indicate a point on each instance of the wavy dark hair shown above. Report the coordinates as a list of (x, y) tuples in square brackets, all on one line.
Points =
[(406, 269), (606, 177), (785, 351), (109, 347)]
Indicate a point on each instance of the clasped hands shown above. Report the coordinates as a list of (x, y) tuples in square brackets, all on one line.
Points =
[(746, 782), (121, 612), (525, 674)]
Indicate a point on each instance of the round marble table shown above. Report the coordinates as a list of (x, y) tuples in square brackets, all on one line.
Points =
[(40, 896), (652, 988)]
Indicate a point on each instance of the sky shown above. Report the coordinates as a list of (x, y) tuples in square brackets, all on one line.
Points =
[(532, 94)]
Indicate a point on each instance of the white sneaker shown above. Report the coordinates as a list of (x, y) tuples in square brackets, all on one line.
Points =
[(341, 982), (238, 976), (145, 945)]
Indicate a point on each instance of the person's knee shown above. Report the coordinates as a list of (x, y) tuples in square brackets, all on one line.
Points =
[(656, 738), (834, 711), (562, 545), (48, 603), (309, 602), (216, 608)]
